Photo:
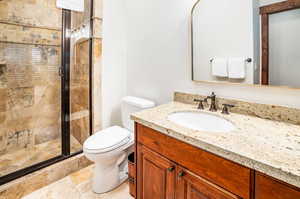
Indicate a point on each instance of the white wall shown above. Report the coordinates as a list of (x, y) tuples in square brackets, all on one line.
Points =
[(114, 61), (158, 60), (158, 57)]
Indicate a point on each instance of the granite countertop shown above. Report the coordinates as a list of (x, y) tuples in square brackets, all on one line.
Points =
[(270, 147)]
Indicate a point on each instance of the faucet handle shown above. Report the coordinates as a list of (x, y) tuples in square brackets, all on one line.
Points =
[(200, 105), (226, 107)]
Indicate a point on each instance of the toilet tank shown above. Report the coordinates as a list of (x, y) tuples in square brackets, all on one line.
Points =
[(131, 105)]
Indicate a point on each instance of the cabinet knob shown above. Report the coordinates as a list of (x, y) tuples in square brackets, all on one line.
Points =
[(131, 180), (171, 168), (181, 173)]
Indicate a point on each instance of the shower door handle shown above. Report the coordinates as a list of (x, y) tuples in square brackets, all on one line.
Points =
[(60, 72)]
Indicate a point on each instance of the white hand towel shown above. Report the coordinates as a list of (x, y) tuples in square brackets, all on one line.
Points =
[(236, 68), (219, 67)]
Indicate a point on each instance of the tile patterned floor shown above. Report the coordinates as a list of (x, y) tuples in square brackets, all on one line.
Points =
[(77, 186)]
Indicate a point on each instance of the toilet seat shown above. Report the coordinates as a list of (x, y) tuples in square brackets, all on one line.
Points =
[(107, 140)]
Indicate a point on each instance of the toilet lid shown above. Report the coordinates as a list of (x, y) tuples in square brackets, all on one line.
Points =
[(107, 139)]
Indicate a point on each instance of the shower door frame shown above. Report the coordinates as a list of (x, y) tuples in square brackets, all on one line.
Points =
[(65, 100)]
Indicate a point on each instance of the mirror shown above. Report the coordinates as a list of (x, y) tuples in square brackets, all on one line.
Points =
[(247, 42)]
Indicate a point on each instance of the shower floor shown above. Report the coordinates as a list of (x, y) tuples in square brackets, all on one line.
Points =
[(23, 158)]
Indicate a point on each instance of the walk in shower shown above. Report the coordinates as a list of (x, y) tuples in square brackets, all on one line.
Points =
[(45, 84)]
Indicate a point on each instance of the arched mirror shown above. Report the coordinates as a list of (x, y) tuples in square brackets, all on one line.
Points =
[(246, 42)]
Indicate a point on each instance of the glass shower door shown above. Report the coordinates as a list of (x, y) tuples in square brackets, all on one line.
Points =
[(30, 83), (45, 84)]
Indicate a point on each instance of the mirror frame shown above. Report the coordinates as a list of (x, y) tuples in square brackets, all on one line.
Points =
[(265, 13), (192, 38)]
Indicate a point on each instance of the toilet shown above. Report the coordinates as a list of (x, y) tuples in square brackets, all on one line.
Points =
[(109, 148)]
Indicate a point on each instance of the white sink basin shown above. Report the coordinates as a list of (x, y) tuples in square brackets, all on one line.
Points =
[(201, 121)]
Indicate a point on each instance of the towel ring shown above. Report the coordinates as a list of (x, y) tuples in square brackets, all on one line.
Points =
[(248, 60)]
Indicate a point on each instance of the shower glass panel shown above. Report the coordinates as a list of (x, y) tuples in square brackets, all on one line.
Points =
[(30, 84), (80, 77)]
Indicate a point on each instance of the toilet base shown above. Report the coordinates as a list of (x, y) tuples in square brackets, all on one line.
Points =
[(107, 179)]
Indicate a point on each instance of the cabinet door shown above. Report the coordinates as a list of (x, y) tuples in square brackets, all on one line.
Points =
[(268, 188), (156, 175), (191, 186)]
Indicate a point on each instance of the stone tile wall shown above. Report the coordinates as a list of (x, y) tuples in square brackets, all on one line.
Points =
[(80, 85)]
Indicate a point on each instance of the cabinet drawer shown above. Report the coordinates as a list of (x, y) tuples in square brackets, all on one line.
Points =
[(224, 173), (269, 188), (189, 185)]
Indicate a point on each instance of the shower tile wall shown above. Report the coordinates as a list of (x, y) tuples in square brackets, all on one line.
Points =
[(97, 66), (30, 86), (80, 92), (79, 74)]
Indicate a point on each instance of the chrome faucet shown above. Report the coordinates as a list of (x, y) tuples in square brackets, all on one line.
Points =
[(213, 103)]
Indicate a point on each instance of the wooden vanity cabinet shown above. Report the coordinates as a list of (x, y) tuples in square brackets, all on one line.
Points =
[(161, 157), (162, 179), (171, 169)]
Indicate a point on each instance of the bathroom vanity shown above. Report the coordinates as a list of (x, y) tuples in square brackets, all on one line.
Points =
[(186, 150), (177, 162)]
